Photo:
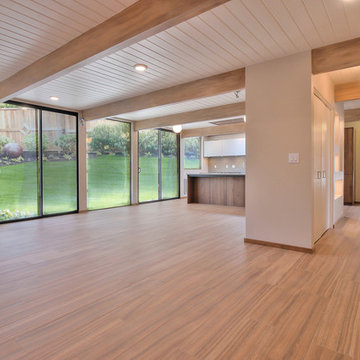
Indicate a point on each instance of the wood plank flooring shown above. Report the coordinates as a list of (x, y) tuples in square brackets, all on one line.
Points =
[(174, 281)]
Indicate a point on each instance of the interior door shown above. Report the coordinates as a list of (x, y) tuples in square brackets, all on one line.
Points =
[(325, 158), (322, 118), (317, 176), (349, 166)]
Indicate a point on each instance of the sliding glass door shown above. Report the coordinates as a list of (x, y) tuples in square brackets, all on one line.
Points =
[(19, 163), (38, 162), (169, 165), (59, 162), (158, 165), (108, 164)]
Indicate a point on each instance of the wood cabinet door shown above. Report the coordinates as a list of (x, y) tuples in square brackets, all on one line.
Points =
[(349, 165)]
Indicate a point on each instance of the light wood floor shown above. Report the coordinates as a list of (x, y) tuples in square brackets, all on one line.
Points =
[(174, 281)]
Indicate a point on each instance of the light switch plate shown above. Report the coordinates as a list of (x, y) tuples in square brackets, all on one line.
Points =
[(294, 158)]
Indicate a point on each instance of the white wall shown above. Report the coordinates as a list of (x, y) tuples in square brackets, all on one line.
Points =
[(279, 118)]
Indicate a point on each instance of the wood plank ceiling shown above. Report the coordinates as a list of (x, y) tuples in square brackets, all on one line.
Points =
[(30, 29), (236, 34)]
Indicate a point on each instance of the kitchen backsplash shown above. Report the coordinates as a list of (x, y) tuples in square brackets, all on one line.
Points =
[(227, 164)]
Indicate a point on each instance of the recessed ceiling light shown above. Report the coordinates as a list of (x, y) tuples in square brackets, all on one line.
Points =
[(54, 98), (140, 67), (177, 129)]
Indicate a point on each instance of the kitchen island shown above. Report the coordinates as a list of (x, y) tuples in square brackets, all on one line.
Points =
[(217, 188)]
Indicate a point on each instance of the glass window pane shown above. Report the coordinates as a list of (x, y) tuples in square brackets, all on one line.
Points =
[(59, 146), (148, 165), (19, 167), (108, 164), (192, 152), (169, 165)]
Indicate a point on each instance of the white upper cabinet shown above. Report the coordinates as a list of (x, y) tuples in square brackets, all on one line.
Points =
[(212, 148), (227, 147), (233, 147)]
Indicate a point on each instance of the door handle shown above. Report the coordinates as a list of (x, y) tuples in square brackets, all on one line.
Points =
[(318, 174), (324, 174), (139, 170)]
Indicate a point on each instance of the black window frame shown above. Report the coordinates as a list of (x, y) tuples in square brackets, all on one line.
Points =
[(41, 108), (159, 168)]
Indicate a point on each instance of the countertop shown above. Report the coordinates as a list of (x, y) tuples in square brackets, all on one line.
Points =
[(216, 174)]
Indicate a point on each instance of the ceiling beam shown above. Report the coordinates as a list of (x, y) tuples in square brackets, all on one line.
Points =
[(352, 115), (137, 22), (337, 56), (346, 92), (214, 113), (215, 130), (210, 86)]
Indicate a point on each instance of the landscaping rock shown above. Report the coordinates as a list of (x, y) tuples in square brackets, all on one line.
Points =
[(12, 150)]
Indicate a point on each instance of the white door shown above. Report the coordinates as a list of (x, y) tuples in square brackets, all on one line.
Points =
[(322, 117), (317, 176)]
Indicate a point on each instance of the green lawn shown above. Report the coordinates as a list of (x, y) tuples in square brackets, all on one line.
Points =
[(108, 184), (19, 187), (191, 163), (148, 178), (108, 181)]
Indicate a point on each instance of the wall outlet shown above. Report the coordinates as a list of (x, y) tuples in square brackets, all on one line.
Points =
[(227, 166), (215, 166), (293, 158), (233, 166)]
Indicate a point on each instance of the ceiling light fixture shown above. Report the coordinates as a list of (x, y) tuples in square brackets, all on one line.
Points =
[(177, 129), (140, 67), (54, 98)]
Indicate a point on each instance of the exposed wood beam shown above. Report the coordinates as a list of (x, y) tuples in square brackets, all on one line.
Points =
[(337, 56), (352, 115), (210, 86), (215, 130), (137, 22), (214, 113), (346, 92)]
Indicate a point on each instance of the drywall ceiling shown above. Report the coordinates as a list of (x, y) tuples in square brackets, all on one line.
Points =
[(236, 34)]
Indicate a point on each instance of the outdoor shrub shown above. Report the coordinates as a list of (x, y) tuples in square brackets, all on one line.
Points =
[(31, 142), (67, 143), (67, 157), (148, 144), (12, 150), (3, 141), (168, 144), (6, 214), (192, 147), (107, 138), (19, 159)]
